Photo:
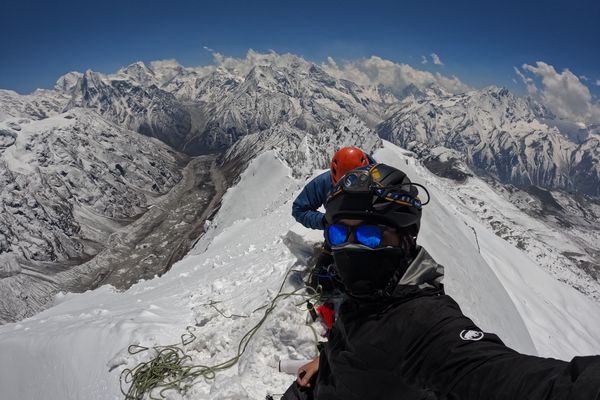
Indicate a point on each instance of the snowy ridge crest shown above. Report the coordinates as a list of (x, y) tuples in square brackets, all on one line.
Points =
[(303, 152)]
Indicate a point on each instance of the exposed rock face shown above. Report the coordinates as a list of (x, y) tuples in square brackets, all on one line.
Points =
[(132, 104)]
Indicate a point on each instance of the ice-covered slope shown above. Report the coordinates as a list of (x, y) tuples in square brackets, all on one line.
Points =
[(77, 348), (551, 310), (556, 229)]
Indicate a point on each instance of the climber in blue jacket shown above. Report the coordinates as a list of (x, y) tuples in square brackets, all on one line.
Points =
[(306, 206)]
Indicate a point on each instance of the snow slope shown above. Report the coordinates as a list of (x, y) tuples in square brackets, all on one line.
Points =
[(560, 320), (77, 349)]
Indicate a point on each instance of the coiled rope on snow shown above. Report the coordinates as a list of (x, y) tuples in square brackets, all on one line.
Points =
[(172, 368)]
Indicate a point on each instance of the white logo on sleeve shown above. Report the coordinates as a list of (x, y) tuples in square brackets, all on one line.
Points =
[(471, 335)]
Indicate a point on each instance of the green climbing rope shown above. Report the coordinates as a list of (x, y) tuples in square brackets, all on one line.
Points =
[(172, 368)]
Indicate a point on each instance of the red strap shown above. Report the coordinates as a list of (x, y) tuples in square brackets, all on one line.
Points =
[(327, 313)]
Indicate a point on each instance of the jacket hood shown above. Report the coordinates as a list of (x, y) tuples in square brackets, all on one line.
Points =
[(423, 271)]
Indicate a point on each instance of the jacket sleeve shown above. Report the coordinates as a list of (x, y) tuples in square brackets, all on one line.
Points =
[(313, 196), (456, 360)]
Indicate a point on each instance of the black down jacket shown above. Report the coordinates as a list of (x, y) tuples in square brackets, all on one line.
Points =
[(418, 345)]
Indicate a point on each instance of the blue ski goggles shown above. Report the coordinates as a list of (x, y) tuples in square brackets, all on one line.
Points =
[(368, 235)]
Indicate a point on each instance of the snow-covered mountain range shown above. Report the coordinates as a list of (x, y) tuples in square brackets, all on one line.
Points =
[(100, 153), (500, 134), (205, 109), (302, 111)]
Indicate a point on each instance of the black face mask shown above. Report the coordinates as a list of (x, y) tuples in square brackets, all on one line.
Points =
[(367, 272)]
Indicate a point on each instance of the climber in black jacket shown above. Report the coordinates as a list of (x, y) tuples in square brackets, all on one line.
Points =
[(397, 335)]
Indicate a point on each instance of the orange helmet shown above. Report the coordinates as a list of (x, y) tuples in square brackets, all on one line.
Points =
[(346, 159)]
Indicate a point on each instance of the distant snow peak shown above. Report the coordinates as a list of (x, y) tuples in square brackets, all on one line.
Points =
[(242, 66), (67, 82), (166, 70), (139, 73)]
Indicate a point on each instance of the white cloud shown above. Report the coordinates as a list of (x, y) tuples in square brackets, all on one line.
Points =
[(531, 88), (423, 60), (376, 70), (584, 78), (242, 66), (371, 71), (598, 82), (436, 59), (564, 93), (169, 62), (208, 49), (331, 62)]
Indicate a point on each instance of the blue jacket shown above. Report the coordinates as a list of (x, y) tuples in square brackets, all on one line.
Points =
[(313, 196)]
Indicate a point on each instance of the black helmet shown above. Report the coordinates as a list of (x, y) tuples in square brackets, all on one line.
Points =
[(379, 192)]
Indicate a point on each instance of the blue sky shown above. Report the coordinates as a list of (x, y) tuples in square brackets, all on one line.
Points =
[(479, 41)]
